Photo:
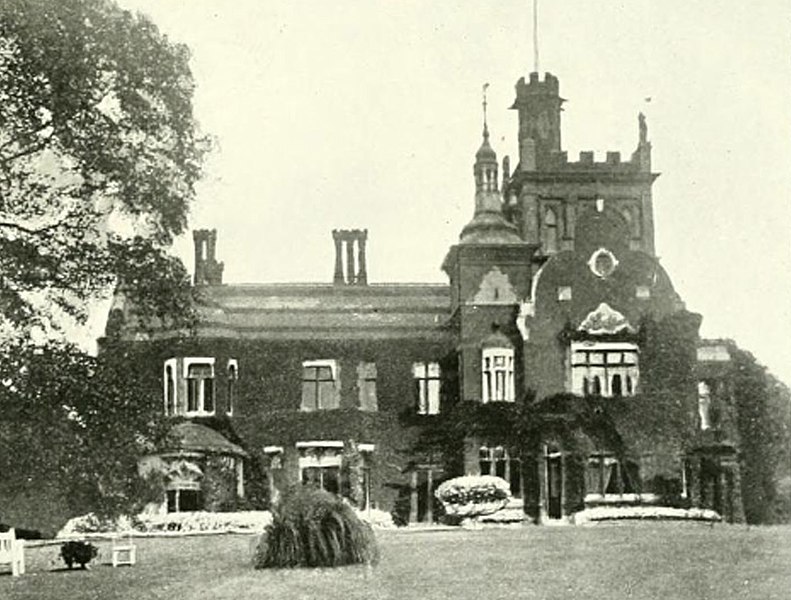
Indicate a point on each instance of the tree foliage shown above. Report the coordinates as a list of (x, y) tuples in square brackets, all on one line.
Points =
[(73, 429), (99, 155), (763, 421)]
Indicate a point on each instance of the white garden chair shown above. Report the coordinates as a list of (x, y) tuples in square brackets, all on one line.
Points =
[(12, 552), (124, 551)]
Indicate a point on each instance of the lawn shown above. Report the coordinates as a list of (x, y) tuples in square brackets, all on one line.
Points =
[(640, 560)]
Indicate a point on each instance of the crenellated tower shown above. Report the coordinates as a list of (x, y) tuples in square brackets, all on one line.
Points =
[(547, 195), (539, 106)]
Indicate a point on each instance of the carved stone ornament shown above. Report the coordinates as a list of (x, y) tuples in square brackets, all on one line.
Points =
[(605, 320), (495, 288), (184, 470), (602, 263)]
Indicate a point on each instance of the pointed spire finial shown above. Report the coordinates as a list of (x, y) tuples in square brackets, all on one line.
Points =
[(485, 124)]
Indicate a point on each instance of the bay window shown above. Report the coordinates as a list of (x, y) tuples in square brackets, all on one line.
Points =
[(604, 368)]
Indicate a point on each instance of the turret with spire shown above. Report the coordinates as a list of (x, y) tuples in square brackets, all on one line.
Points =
[(488, 225)]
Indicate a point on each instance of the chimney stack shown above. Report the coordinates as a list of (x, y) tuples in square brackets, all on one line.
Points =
[(350, 276), (207, 270)]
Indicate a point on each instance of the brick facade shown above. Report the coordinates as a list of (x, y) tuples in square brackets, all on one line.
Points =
[(555, 296)]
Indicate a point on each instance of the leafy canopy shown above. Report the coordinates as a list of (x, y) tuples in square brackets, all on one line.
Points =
[(99, 155)]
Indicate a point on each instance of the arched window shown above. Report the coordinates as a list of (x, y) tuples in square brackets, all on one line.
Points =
[(550, 231), (585, 387), (596, 386), (170, 392)]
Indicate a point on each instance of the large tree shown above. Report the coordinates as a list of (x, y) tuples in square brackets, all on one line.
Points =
[(72, 430), (99, 155)]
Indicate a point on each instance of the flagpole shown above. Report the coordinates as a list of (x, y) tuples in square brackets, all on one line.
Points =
[(535, 36)]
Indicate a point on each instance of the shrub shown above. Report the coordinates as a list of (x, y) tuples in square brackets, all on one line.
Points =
[(473, 496), (313, 528), (80, 553)]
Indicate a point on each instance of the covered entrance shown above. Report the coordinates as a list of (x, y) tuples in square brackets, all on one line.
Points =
[(553, 483), (423, 480)]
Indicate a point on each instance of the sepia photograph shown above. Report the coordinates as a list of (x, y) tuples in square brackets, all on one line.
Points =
[(383, 299)]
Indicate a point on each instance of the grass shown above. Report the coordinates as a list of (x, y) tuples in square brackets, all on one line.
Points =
[(634, 561)]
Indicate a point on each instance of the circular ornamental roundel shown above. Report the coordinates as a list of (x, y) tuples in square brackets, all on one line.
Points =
[(602, 262)]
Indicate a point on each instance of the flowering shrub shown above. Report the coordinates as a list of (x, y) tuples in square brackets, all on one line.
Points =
[(471, 496), (246, 521), (378, 519), (614, 513), (183, 522)]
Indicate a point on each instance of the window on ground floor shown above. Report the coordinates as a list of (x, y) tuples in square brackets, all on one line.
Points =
[(320, 464), (183, 500), (498, 461), (605, 475)]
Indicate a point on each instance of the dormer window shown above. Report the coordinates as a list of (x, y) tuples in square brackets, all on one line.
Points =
[(199, 374), (497, 375)]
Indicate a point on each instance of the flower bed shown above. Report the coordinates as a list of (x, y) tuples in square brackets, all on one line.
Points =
[(378, 519), (182, 522), (616, 513)]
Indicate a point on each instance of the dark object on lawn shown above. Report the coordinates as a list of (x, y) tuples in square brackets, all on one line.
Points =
[(80, 553), (313, 528)]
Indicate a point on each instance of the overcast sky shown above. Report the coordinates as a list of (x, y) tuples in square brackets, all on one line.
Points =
[(340, 114)]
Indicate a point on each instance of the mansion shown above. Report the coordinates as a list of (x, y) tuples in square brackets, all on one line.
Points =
[(555, 302)]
